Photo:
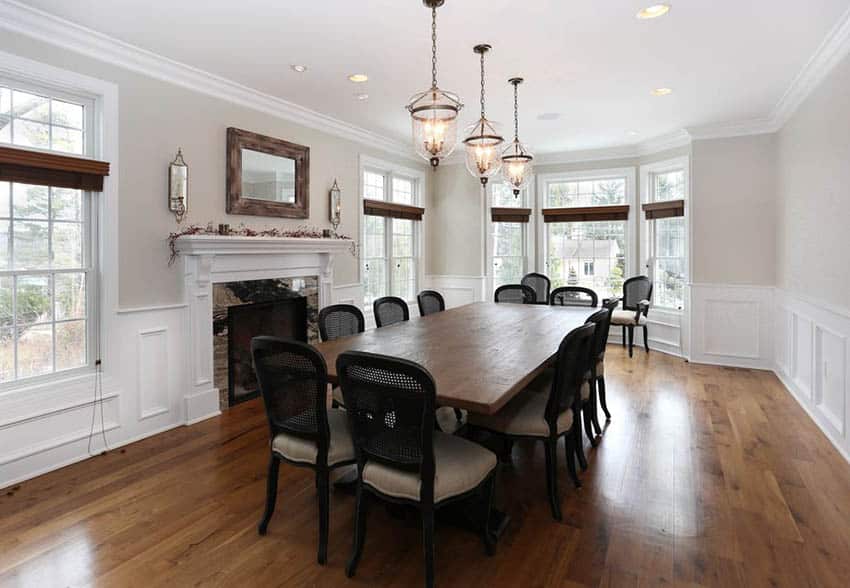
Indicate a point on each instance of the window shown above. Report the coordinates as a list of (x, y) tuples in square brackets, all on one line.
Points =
[(666, 230), (508, 234), (390, 254), (585, 232), (46, 276)]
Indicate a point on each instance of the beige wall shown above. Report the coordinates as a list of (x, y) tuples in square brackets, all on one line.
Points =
[(155, 119), (814, 194), (455, 237), (734, 210)]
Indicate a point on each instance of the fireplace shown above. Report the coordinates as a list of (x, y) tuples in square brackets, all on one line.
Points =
[(282, 307), (286, 317)]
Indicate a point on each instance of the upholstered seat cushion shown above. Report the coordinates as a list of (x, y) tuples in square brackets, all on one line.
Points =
[(600, 368), (301, 450), (626, 317), (543, 383), (459, 466), (524, 415)]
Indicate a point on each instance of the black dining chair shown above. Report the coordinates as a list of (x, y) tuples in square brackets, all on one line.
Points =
[(293, 382), (549, 409), (602, 320), (390, 310), (573, 296), (400, 457), (430, 301), (637, 295), (340, 320), (514, 293), (540, 284)]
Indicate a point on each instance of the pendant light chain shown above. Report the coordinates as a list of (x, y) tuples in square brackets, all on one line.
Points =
[(482, 87), (433, 46), (516, 112)]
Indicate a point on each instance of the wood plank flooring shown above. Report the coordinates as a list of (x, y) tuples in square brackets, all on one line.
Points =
[(706, 476)]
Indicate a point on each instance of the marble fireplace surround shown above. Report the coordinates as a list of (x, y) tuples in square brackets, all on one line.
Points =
[(211, 259)]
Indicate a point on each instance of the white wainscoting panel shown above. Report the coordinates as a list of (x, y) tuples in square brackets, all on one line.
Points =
[(153, 372), (348, 294), (732, 325), (812, 361), (457, 290)]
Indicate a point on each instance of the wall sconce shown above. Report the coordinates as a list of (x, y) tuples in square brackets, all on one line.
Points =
[(335, 207), (178, 186)]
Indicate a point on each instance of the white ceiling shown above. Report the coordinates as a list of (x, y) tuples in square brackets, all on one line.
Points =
[(591, 61)]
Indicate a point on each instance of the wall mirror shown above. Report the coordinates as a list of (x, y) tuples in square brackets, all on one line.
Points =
[(267, 176)]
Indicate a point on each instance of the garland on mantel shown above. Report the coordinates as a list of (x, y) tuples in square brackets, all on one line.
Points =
[(301, 232)]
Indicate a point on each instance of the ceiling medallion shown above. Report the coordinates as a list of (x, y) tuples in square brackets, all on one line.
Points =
[(434, 112), (482, 158)]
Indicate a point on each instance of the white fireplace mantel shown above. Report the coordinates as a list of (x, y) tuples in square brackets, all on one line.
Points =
[(210, 259)]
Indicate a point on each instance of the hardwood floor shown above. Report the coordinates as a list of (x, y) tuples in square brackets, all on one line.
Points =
[(706, 476)]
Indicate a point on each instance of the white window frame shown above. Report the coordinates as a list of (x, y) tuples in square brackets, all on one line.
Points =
[(527, 201), (630, 175), (647, 177), (389, 170), (92, 134)]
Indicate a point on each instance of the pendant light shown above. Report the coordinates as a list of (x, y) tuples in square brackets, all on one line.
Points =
[(516, 158), (482, 144), (434, 111)]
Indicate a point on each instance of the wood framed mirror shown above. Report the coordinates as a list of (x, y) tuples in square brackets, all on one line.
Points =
[(267, 176)]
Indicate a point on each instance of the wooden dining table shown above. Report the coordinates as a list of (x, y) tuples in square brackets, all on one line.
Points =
[(480, 355)]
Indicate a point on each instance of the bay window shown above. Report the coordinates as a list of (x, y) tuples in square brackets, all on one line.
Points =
[(666, 244), (585, 233), (508, 234)]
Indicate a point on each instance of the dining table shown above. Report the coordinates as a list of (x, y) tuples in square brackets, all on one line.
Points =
[(481, 355)]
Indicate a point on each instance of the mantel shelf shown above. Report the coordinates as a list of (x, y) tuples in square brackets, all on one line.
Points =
[(240, 245)]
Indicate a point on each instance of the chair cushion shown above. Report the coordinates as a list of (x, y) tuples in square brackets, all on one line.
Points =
[(626, 317), (524, 415), (585, 390), (459, 466), (600, 368), (300, 450)]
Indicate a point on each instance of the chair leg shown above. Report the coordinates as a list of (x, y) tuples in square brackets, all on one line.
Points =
[(361, 511), (271, 494), (552, 477), (645, 339), (572, 448), (324, 491), (602, 399), (428, 543), (507, 450), (577, 446), (594, 407), (624, 335), (588, 426), (489, 492), (631, 339), (459, 415)]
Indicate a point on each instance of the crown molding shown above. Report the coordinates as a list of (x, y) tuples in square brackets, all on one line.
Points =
[(834, 48), (51, 29), (756, 126)]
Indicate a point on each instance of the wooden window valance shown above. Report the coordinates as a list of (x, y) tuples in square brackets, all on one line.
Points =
[(510, 215), (667, 209), (586, 213), (51, 169), (392, 210)]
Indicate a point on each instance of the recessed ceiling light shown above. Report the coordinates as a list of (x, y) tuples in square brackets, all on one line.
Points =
[(632, 133), (358, 78), (362, 97), (653, 11), (299, 68), (661, 91), (549, 116)]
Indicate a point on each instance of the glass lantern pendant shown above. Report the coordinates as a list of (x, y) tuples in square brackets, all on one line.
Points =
[(434, 111), (482, 144), (517, 160)]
